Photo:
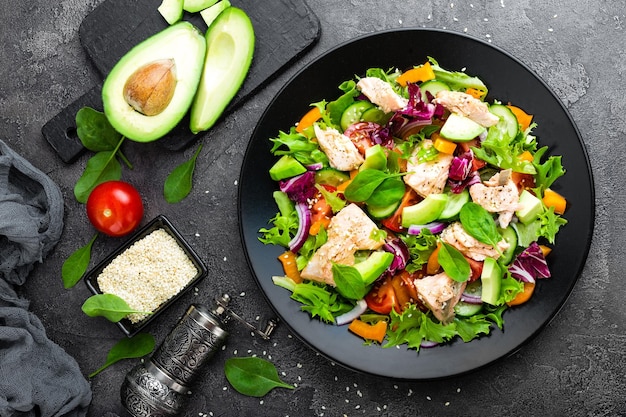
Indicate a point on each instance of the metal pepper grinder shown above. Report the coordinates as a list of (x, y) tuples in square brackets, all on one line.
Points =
[(161, 386)]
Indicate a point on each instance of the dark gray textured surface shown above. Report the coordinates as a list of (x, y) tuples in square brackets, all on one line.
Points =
[(575, 367)]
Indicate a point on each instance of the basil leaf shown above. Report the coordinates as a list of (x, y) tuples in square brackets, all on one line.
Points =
[(479, 224), (101, 167), (349, 282), (128, 348), (253, 376), (109, 306), (178, 183), (454, 263), (94, 130), (76, 264), (364, 184), (390, 191)]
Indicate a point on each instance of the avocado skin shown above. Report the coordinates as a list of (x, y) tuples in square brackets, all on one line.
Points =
[(230, 46), (183, 43)]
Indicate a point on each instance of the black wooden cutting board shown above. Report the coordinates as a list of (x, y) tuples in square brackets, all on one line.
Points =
[(284, 30)]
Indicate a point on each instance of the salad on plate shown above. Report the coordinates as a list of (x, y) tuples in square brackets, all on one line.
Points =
[(411, 209)]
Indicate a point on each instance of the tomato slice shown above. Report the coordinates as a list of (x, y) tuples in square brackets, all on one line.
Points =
[(320, 208), (361, 135), (382, 297), (404, 289), (466, 146), (476, 267), (394, 222)]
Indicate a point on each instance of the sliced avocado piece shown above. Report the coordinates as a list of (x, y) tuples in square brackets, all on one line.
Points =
[(491, 279), (426, 211), (376, 115), (459, 128), (531, 207), (352, 114), (193, 6), (126, 92), (171, 10), (210, 14), (286, 167), (375, 158), (372, 267), (230, 45)]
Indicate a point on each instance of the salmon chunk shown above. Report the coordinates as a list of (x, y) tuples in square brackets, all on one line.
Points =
[(440, 294), (468, 106), (349, 230), (342, 153), (456, 236), (498, 195), (427, 177), (382, 94)]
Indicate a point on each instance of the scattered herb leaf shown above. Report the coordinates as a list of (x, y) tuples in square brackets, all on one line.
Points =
[(178, 183), (94, 130), (349, 282), (76, 264), (109, 306), (128, 348), (480, 224), (101, 167), (454, 263), (253, 376)]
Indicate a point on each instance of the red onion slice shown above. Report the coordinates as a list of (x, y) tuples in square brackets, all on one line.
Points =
[(304, 224), (434, 227), (345, 318)]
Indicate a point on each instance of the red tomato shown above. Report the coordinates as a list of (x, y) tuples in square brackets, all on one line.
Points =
[(394, 222), (115, 208), (382, 297), (476, 267), (476, 163), (360, 134), (320, 208), (404, 288)]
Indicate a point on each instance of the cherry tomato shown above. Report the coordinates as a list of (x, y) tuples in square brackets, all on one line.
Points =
[(404, 288), (320, 208), (382, 297), (394, 222), (115, 208)]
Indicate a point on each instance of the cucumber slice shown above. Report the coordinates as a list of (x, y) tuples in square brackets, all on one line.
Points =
[(331, 176), (381, 212), (455, 204), (432, 87), (509, 235), (466, 309), (353, 113), (506, 117), (458, 128)]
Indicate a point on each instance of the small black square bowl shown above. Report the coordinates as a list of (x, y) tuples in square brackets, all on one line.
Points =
[(160, 222)]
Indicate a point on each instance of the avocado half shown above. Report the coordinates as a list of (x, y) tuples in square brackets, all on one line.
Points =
[(230, 46), (183, 47)]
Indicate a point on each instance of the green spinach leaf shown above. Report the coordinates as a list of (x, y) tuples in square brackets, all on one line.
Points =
[(479, 224), (178, 184), (453, 263), (101, 167), (94, 130), (76, 264), (366, 183), (128, 348), (349, 282), (253, 376), (109, 306)]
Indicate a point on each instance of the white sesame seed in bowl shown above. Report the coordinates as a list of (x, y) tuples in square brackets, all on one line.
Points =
[(150, 271)]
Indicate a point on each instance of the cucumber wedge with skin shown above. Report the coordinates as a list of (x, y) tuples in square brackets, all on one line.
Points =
[(230, 46)]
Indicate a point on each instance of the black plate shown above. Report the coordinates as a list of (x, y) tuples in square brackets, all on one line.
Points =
[(508, 80)]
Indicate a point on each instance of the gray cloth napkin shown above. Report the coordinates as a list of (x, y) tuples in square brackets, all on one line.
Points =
[(37, 377)]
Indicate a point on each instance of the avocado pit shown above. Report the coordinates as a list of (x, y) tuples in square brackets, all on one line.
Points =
[(149, 90)]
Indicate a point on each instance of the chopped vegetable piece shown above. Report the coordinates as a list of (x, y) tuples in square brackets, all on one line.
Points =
[(523, 118), (553, 199), (416, 75), (308, 119), (444, 145), (369, 331), (290, 266), (476, 93), (524, 296)]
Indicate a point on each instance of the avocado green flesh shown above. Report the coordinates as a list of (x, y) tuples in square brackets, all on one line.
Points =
[(181, 42), (230, 46)]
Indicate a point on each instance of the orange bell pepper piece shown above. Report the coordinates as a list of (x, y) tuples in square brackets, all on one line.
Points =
[(288, 259), (367, 331), (415, 75), (524, 296), (308, 119), (443, 145), (474, 92), (554, 199)]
